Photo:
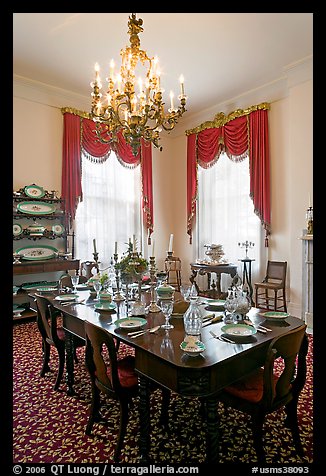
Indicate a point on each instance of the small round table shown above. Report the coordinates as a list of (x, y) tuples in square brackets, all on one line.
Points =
[(246, 275)]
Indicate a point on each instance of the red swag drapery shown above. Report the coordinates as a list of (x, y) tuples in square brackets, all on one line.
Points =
[(238, 136), (79, 135)]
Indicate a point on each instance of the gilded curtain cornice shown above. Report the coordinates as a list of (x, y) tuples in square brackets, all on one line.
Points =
[(221, 119), (76, 112)]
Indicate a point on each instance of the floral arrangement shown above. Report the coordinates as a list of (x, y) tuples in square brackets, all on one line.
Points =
[(131, 265)]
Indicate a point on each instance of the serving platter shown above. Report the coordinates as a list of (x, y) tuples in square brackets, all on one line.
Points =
[(131, 323), (34, 191), (238, 330), (35, 253), (36, 208)]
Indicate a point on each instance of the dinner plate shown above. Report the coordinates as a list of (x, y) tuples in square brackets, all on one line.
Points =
[(192, 346), (238, 330), (275, 315), (66, 297), (82, 287), (35, 253), (36, 208), (105, 306), (34, 191), (130, 323)]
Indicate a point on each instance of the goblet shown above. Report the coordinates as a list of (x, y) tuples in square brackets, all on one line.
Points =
[(75, 281), (185, 291), (97, 286), (167, 308)]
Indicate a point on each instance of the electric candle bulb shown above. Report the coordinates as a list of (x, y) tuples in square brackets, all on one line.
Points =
[(171, 98), (182, 80)]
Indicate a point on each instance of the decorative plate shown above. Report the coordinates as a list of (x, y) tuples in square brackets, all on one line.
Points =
[(130, 323), (66, 297), (35, 253), (82, 287), (105, 306), (34, 191), (36, 208), (275, 315), (58, 229), (192, 346), (238, 330), (17, 229), (217, 302)]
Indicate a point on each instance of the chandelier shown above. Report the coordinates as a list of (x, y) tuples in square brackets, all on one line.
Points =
[(134, 106)]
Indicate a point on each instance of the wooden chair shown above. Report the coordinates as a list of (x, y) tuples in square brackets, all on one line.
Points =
[(265, 391), (274, 283), (52, 334), (65, 281), (114, 378), (172, 264)]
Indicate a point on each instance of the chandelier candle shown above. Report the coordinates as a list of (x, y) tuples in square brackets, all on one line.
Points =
[(137, 115)]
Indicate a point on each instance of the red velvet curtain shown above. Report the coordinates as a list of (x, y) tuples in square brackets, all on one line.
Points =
[(238, 137), (79, 134)]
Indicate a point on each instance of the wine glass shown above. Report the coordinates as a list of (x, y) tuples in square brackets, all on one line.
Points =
[(74, 282), (97, 286), (167, 308), (185, 291)]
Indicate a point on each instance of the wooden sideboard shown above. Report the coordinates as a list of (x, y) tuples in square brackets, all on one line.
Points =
[(45, 266)]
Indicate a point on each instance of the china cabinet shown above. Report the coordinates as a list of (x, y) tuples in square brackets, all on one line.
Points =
[(41, 239)]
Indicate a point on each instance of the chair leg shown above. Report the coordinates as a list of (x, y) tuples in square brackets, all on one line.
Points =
[(266, 299), (292, 422), (61, 353), (94, 409), (46, 358), (124, 416), (257, 426), (284, 301)]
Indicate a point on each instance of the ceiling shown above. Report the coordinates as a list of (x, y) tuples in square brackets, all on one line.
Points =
[(221, 55)]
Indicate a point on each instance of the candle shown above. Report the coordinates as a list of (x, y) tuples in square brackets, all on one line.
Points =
[(181, 79), (116, 247), (171, 243), (134, 243), (309, 200), (171, 99), (153, 242), (94, 246), (111, 69)]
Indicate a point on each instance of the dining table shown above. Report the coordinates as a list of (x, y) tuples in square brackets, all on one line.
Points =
[(159, 357)]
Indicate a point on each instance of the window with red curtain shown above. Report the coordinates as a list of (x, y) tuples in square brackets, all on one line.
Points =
[(79, 139), (241, 133)]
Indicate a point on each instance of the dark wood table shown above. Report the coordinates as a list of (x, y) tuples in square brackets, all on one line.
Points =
[(213, 288), (160, 359)]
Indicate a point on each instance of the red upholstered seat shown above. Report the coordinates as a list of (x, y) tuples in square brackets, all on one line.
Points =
[(250, 388)]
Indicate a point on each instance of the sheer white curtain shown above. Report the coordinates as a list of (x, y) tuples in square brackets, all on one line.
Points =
[(225, 214), (110, 210)]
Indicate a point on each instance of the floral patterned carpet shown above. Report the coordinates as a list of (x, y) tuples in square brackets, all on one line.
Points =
[(49, 426)]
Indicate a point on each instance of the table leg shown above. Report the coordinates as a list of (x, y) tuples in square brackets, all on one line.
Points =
[(212, 431), (69, 347), (192, 279), (144, 414)]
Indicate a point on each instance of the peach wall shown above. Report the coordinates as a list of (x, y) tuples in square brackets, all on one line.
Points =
[(37, 145)]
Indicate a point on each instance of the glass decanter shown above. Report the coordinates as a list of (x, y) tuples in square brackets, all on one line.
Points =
[(193, 319)]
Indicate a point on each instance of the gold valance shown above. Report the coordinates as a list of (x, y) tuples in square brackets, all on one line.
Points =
[(221, 119), (77, 112)]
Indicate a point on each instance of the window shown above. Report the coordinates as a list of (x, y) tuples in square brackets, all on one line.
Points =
[(110, 210), (225, 213)]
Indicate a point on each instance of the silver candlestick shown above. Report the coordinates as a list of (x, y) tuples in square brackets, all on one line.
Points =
[(152, 307), (117, 296)]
